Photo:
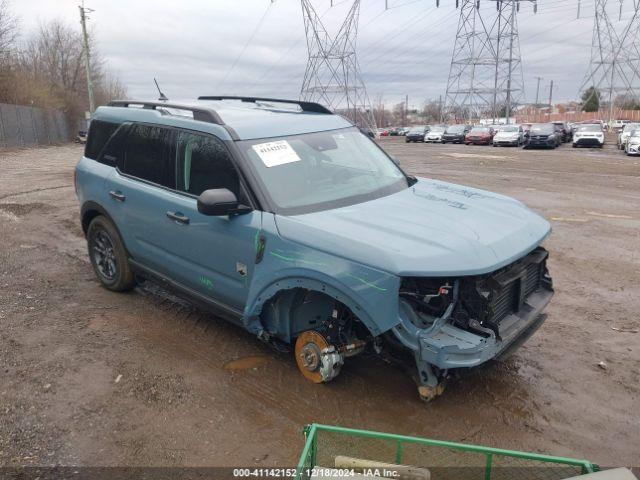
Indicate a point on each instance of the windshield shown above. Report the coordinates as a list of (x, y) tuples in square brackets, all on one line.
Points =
[(542, 128), (437, 129), (476, 131), (417, 130), (590, 128), (509, 129), (629, 127), (455, 129), (318, 171)]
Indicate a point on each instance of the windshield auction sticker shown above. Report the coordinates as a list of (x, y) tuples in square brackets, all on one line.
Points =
[(277, 153)]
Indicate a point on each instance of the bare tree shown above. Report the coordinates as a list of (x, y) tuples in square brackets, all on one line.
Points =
[(8, 29)]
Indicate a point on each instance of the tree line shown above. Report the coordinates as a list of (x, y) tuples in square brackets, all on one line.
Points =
[(45, 68)]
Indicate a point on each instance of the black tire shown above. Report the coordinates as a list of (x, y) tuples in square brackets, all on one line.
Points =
[(108, 256)]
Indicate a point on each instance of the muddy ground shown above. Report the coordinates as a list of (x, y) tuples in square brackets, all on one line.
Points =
[(90, 377)]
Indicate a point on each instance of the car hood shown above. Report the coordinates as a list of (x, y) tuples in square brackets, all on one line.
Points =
[(431, 229)]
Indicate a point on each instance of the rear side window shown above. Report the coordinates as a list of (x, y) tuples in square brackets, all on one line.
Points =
[(99, 133), (148, 155), (203, 163)]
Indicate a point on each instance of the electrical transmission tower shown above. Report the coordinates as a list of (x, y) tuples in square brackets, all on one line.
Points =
[(614, 68), (332, 76), (485, 77)]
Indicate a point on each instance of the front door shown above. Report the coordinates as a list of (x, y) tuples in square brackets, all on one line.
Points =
[(213, 256)]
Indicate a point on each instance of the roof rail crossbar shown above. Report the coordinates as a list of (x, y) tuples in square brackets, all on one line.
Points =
[(201, 114), (305, 106)]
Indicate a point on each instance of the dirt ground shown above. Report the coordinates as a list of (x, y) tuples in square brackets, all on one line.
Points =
[(91, 377)]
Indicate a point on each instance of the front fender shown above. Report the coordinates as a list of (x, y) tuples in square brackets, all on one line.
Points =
[(371, 294)]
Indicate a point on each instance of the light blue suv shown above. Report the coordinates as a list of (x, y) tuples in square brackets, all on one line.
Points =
[(285, 219)]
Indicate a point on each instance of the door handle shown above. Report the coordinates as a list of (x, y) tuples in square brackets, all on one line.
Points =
[(178, 217), (117, 195)]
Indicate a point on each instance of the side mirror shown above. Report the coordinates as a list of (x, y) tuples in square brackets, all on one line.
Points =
[(220, 201)]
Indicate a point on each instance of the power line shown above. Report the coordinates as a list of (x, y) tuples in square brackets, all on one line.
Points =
[(244, 48)]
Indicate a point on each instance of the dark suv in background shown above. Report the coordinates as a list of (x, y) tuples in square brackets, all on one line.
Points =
[(455, 133), (564, 131), (543, 135)]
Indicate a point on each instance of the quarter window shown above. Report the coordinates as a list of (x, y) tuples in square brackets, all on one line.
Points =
[(203, 163), (99, 133), (148, 155)]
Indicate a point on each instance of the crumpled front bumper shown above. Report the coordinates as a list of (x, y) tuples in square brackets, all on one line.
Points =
[(447, 346), (452, 347), (633, 149)]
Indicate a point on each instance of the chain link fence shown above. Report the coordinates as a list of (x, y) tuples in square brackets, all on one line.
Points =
[(22, 126)]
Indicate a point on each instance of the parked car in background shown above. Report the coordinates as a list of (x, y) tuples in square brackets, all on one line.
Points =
[(394, 131), (383, 132), (455, 133), (480, 136), (81, 137), (565, 131), (623, 136), (618, 125), (506, 135), (588, 135), (435, 134), (543, 135), (403, 131), (632, 147), (416, 134)]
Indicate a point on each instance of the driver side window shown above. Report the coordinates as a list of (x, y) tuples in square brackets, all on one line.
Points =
[(203, 163)]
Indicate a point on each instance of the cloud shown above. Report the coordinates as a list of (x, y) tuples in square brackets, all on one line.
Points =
[(191, 45)]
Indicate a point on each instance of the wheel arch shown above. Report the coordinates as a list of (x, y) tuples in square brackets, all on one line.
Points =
[(273, 306), (91, 210)]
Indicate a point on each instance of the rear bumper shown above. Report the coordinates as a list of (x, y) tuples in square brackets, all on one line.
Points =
[(506, 142), (483, 141), (432, 139)]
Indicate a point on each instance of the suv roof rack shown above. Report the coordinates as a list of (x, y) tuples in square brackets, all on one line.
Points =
[(305, 106), (201, 114)]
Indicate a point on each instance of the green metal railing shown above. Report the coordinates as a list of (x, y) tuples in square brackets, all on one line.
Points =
[(324, 442)]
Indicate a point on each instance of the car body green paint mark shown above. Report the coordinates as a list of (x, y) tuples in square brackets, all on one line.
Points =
[(368, 284), (295, 260), (206, 282)]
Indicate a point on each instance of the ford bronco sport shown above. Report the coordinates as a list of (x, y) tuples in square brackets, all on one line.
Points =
[(285, 219)]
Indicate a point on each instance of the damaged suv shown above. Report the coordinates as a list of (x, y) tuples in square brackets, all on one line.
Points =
[(285, 219)]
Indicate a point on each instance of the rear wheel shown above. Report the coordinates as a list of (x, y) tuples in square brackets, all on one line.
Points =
[(108, 256)]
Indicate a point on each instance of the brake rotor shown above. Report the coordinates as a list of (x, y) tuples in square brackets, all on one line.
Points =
[(309, 348)]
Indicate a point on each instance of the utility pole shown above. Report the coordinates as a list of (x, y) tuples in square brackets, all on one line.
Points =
[(538, 89), (406, 109), (87, 55), (550, 98)]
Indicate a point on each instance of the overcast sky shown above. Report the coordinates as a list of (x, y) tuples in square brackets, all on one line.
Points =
[(191, 46)]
